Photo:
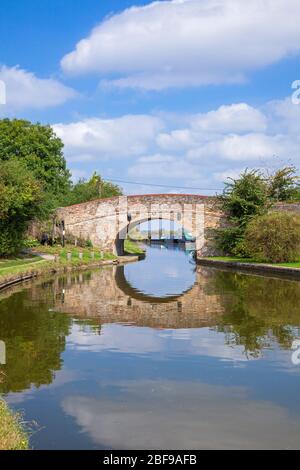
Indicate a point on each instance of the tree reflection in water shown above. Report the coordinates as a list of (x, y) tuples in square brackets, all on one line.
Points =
[(34, 337), (258, 310)]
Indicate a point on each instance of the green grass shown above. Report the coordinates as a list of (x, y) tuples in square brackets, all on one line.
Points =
[(132, 248), (19, 261), (86, 255), (12, 268), (296, 264), (62, 253), (9, 274), (12, 433)]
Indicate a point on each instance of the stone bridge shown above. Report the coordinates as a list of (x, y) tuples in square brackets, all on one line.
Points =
[(106, 222)]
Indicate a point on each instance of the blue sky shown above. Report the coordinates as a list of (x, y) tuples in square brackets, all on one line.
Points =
[(180, 93)]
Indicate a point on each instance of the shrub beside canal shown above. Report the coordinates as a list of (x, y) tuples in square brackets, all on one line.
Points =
[(274, 238)]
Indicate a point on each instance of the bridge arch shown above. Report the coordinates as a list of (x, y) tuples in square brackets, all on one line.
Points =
[(139, 219), (106, 221)]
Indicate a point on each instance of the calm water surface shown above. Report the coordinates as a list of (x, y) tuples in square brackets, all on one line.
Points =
[(156, 354)]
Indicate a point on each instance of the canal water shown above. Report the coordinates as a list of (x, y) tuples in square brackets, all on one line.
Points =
[(160, 354)]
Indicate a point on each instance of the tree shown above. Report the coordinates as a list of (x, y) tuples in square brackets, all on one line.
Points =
[(243, 199), (41, 151), (87, 190), (20, 201), (284, 185)]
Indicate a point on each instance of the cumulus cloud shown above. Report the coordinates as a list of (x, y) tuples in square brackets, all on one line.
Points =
[(235, 118), (181, 43), (204, 127), (165, 166), (92, 139), (238, 133), (248, 147), (26, 91), (197, 150)]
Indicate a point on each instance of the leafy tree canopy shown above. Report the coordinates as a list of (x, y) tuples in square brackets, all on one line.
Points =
[(245, 197), (87, 190), (20, 192), (39, 148), (21, 198), (284, 184)]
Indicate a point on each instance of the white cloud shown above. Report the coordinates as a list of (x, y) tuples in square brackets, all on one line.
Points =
[(176, 140), (25, 90), (182, 43), (240, 148), (193, 151), (283, 117), (229, 173), (235, 118), (163, 166), (93, 139)]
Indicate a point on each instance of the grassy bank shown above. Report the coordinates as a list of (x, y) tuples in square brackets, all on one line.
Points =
[(233, 259), (14, 267), (12, 262), (132, 248), (22, 267), (88, 254), (12, 433)]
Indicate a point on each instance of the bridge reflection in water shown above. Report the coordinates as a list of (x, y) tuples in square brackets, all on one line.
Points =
[(177, 297)]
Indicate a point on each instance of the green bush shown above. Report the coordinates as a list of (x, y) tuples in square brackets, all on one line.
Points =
[(274, 238), (227, 239), (31, 243), (11, 236), (243, 199)]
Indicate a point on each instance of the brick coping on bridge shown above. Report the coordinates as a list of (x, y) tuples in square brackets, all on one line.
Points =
[(132, 196)]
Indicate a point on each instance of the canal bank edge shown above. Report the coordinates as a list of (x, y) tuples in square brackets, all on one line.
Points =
[(13, 434), (255, 268), (53, 268)]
